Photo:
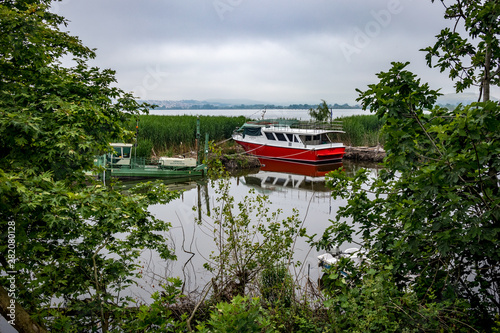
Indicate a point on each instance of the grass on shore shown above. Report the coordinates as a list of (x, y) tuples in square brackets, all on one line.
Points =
[(361, 130)]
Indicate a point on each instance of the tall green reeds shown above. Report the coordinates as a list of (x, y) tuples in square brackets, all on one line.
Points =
[(361, 130), (177, 134)]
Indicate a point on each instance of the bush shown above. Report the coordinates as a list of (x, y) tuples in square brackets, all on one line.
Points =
[(242, 315)]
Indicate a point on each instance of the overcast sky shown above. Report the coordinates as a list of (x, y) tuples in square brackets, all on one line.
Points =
[(274, 51)]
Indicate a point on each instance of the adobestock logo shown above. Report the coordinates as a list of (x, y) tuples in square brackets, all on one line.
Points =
[(152, 80), (372, 29), (224, 6)]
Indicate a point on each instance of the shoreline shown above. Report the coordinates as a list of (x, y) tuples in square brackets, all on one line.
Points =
[(366, 154)]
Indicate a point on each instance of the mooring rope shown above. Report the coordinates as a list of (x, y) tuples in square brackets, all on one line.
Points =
[(249, 151), (220, 142)]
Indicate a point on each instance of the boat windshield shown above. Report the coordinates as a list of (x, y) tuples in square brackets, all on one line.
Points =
[(252, 131), (317, 139)]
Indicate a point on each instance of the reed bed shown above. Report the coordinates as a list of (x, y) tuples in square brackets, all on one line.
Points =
[(361, 130), (169, 135)]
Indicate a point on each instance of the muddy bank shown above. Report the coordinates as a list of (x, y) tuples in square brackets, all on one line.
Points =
[(369, 154), (240, 161)]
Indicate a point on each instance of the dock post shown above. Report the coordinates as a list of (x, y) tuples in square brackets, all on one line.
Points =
[(197, 143), (206, 145)]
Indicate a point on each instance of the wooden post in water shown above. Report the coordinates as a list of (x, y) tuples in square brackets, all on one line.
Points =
[(206, 146), (197, 140)]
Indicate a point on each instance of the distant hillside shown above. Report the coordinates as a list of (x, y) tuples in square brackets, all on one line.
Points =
[(230, 105), (455, 99)]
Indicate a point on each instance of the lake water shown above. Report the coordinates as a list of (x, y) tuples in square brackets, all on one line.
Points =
[(301, 114), (288, 188)]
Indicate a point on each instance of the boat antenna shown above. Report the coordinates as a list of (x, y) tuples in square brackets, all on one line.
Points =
[(263, 113)]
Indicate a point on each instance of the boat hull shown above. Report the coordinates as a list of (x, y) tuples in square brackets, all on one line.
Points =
[(304, 155), (298, 168)]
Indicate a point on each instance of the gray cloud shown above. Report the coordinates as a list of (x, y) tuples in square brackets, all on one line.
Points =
[(278, 51)]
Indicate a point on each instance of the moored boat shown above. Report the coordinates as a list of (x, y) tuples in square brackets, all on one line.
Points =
[(290, 140), (121, 163)]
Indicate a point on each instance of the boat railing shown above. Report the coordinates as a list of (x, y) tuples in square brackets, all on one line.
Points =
[(280, 124), (335, 126), (327, 126)]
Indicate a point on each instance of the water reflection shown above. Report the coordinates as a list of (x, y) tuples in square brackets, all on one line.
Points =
[(289, 186), (279, 175)]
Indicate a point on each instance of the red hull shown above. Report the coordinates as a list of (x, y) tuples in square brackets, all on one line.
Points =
[(311, 170), (325, 155)]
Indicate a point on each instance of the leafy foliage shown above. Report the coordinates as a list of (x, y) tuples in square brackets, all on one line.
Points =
[(321, 113), (76, 242), (367, 300), (249, 238), (435, 207), (158, 317), (240, 315), (474, 60)]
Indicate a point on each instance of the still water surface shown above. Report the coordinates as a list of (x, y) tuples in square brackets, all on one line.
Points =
[(301, 114), (288, 187)]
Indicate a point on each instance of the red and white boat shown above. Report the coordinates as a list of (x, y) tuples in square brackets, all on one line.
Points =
[(284, 140)]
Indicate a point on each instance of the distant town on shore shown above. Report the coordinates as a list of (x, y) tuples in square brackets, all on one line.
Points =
[(204, 105), (447, 100)]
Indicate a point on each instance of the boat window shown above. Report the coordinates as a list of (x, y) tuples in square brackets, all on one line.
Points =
[(126, 152), (270, 180), (118, 151), (280, 136), (312, 139), (291, 137), (269, 136), (325, 138), (280, 181)]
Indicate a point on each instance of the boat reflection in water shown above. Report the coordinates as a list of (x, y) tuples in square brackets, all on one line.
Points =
[(290, 187), (280, 175)]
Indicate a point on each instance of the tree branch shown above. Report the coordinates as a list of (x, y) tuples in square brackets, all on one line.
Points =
[(22, 320)]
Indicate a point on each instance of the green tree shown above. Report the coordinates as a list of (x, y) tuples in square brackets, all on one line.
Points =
[(72, 243), (321, 113), (474, 59), (435, 207)]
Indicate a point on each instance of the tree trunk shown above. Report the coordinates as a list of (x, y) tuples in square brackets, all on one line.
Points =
[(16, 315), (487, 79)]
